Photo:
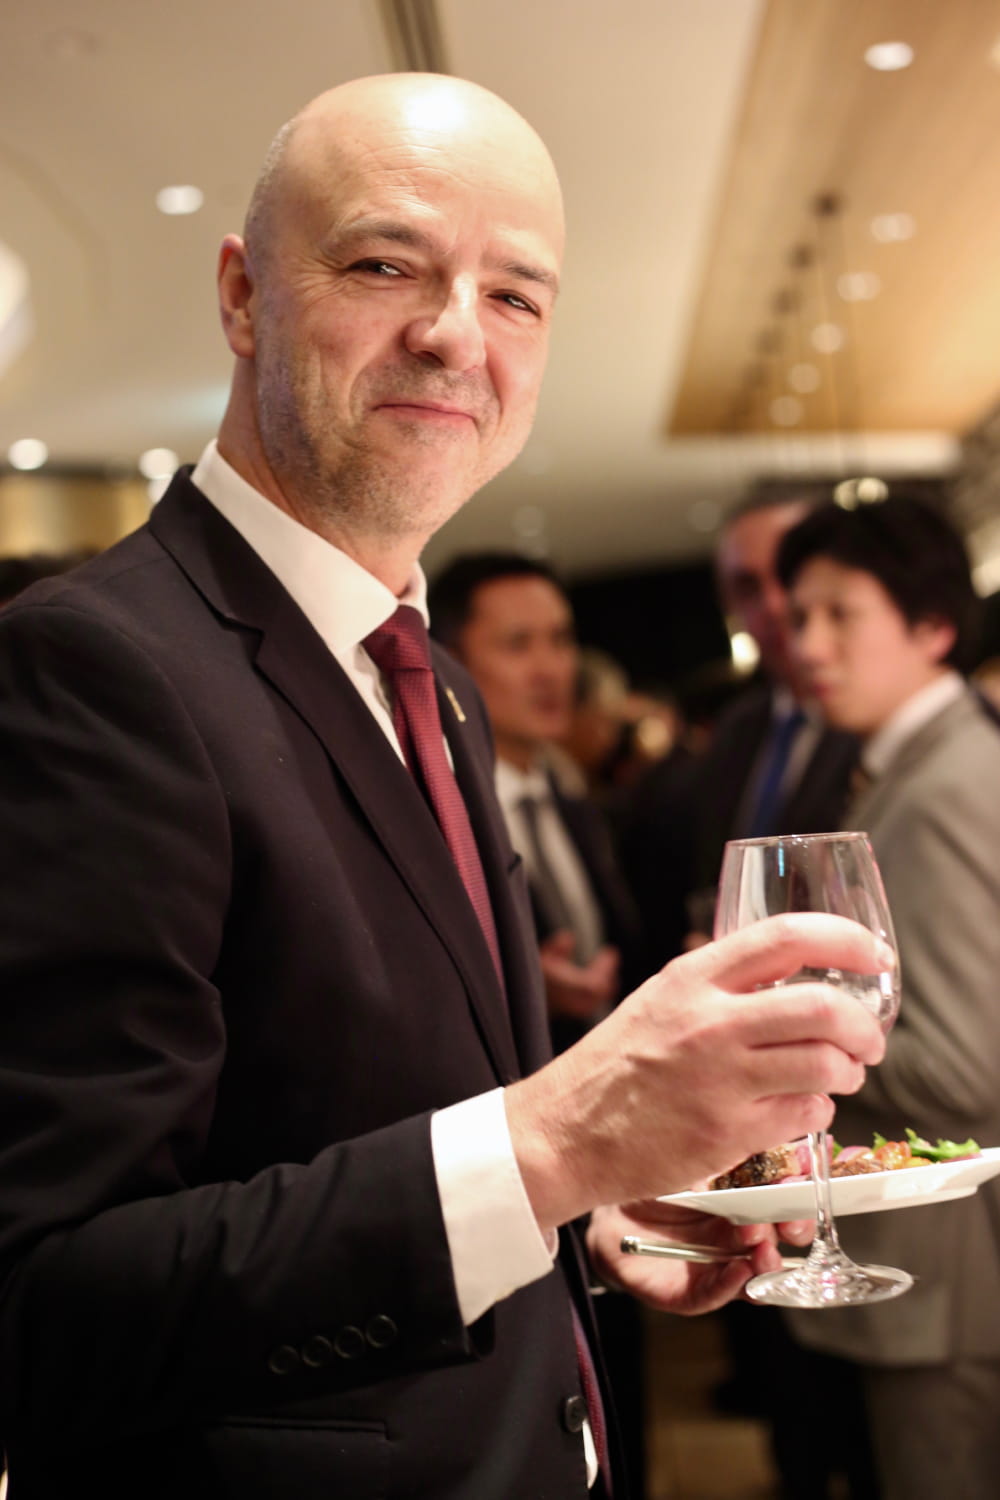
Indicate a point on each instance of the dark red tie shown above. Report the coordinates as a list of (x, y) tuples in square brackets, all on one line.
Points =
[(401, 651), (593, 1398)]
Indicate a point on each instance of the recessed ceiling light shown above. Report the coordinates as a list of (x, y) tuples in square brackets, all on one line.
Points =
[(786, 411), (889, 57), (744, 651), (866, 490), (27, 453), (827, 338), (804, 378), (156, 488), (180, 199), (158, 463), (887, 228), (858, 286)]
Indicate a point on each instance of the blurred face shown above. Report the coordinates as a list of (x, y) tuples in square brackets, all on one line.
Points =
[(860, 658), (519, 645), (750, 590), (398, 314)]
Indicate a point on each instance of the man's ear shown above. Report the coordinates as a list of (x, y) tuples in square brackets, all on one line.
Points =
[(236, 289), (937, 636)]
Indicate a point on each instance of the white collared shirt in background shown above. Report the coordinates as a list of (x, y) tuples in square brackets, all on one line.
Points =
[(513, 785)]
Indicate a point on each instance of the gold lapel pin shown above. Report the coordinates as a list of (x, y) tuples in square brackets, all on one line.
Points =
[(459, 715)]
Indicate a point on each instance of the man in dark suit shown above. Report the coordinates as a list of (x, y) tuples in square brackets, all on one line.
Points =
[(283, 1165), (507, 620)]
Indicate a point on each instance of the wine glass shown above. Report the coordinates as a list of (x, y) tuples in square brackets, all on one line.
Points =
[(826, 872)]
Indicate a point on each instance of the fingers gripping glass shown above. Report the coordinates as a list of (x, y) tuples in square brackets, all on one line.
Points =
[(834, 873)]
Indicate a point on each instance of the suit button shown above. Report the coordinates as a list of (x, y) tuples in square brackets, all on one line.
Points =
[(283, 1360), (381, 1331), (574, 1413), (350, 1342), (317, 1352)]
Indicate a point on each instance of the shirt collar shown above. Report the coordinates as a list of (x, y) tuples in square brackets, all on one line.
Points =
[(918, 710), (513, 784), (340, 598)]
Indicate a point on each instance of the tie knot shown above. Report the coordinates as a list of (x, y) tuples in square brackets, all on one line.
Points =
[(400, 645)]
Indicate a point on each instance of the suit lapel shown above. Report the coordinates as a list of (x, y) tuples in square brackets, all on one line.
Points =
[(870, 805), (297, 663)]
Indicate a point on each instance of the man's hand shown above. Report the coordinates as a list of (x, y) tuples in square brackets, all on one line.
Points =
[(699, 1068), (578, 990), (679, 1286)]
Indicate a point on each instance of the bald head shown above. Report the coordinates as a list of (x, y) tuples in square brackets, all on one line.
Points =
[(429, 110)]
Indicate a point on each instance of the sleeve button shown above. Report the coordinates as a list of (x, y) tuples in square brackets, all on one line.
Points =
[(283, 1360), (574, 1413), (381, 1331), (350, 1342), (317, 1352)]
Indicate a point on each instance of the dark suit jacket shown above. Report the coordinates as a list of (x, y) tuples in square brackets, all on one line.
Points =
[(239, 971), (815, 805)]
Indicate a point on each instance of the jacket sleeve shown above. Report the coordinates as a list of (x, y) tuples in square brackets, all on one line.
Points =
[(134, 1294)]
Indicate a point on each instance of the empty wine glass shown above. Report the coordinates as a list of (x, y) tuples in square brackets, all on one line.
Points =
[(820, 872)]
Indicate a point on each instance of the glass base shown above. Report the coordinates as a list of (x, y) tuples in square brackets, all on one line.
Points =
[(837, 1283)]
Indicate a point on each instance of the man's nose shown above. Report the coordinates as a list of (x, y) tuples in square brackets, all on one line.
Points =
[(451, 331)]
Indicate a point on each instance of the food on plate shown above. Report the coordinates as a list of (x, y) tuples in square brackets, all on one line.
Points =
[(790, 1162)]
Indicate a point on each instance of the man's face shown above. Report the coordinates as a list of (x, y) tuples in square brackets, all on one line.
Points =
[(860, 658), (519, 646), (750, 589), (401, 322)]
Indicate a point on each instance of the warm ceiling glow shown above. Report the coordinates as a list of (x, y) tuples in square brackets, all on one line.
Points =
[(858, 286), (889, 57), (27, 453), (786, 411), (180, 199), (804, 378), (827, 338), (889, 228), (158, 463)]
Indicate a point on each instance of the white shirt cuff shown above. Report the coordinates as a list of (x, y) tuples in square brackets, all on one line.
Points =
[(495, 1242)]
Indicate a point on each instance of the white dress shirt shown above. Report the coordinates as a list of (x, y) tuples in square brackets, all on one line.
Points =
[(513, 786), (494, 1239)]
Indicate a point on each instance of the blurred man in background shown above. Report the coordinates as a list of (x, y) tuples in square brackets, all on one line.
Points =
[(508, 621), (771, 767)]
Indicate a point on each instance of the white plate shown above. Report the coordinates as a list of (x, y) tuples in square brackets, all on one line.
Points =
[(907, 1188)]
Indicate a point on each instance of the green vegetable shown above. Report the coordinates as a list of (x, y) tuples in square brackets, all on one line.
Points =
[(943, 1151)]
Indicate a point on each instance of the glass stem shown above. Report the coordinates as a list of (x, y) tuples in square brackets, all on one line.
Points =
[(826, 1243)]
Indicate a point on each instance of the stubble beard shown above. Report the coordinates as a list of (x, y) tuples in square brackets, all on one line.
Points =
[(351, 487)]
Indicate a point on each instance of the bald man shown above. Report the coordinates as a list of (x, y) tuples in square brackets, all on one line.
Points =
[(285, 1168)]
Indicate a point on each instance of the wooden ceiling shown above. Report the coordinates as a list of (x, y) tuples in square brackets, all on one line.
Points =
[(820, 126)]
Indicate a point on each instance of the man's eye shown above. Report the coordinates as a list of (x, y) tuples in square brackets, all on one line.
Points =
[(377, 267), (513, 300)]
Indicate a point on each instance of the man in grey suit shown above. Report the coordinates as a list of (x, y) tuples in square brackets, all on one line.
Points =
[(882, 605)]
